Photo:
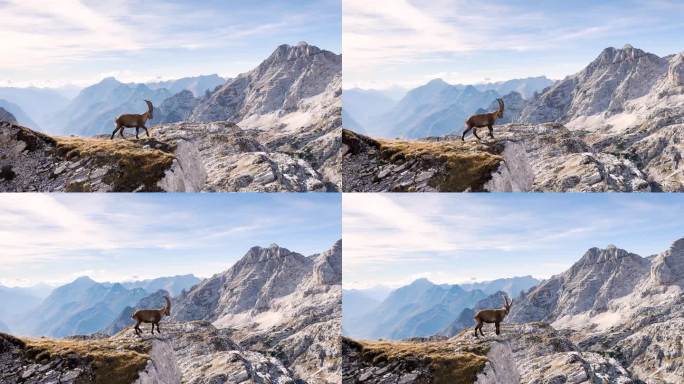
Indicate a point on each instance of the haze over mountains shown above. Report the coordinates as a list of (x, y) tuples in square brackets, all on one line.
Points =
[(422, 308), (434, 109), (83, 306), (93, 109)]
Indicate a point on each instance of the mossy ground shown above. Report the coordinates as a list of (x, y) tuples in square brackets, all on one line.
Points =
[(469, 165), (135, 166), (448, 364), (113, 363)]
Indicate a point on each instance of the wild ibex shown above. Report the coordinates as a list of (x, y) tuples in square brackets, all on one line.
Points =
[(153, 316), (483, 120), (134, 121), (495, 316)]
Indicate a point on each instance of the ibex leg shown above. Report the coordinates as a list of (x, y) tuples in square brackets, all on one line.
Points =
[(114, 133), (491, 131), (464, 133), (137, 129), (121, 132), (148, 135), (475, 134), (497, 328), (137, 328)]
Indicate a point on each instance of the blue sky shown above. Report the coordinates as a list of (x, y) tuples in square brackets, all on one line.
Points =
[(393, 239), (54, 238), (82, 41), (409, 42)]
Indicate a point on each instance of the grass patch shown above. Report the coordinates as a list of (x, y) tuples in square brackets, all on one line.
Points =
[(113, 363), (469, 165), (134, 166), (447, 364)]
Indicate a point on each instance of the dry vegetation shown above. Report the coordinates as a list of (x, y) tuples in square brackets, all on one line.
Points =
[(469, 165), (135, 165), (447, 363), (113, 363)]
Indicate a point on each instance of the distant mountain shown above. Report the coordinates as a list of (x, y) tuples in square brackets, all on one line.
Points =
[(176, 108), (363, 105), (80, 307), (19, 115), (418, 309), (288, 303), (38, 104), (198, 85), (173, 284), (124, 320), (434, 109), (599, 277), (606, 86), (15, 303), (512, 286), (355, 303), (526, 87), (277, 86), (6, 116), (349, 122), (93, 111)]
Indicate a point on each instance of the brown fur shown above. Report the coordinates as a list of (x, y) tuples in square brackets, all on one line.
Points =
[(495, 316), (483, 120), (153, 316), (134, 121)]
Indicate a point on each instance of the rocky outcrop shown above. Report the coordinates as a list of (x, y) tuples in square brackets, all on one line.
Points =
[(7, 117), (180, 157), (523, 353), (121, 360), (278, 303), (192, 352), (32, 161), (432, 165)]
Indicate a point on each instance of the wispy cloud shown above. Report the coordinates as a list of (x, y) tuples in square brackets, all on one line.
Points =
[(393, 239), (151, 37), (53, 237), (474, 40)]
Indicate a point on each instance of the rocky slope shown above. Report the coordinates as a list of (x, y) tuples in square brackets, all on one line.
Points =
[(190, 352), (280, 303), (523, 353), (179, 157), (620, 304), (433, 165)]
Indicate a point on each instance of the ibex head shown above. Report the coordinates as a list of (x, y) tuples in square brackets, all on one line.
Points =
[(167, 309), (150, 109), (500, 112), (507, 304)]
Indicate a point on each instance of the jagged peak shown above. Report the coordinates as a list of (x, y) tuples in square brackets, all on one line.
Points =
[(677, 246)]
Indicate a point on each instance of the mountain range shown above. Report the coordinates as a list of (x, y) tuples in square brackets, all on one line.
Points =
[(279, 302), (273, 317), (614, 126), (279, 129), (83, 306), (422, 308), (614, 316), (434, 109)]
